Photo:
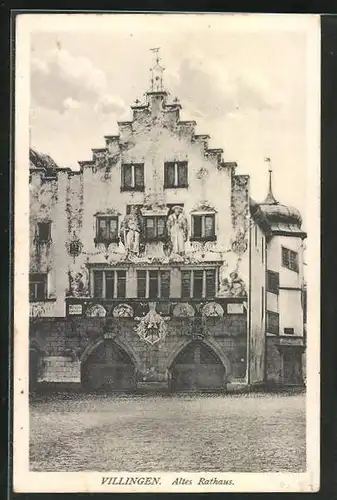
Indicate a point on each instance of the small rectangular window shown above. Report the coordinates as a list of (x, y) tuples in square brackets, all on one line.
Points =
[(37, 286), (43, 232), (109, 284), (198, 283), (153, 284), (132, 177), (273, 323), (106, 229), (288, 331), (273, 282), (155, 228), (175, 174), (289, 259), (203, 227)]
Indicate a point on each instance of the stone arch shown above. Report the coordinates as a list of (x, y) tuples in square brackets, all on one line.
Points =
[(212, 344), (91, 347)]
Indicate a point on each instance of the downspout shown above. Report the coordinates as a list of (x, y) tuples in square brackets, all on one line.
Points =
[(249, 303)]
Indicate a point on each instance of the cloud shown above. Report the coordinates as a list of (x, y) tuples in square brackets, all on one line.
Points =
[(214, 92), (61, 82)]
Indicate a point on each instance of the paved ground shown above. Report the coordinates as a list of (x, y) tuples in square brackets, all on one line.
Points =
[(246, 433)]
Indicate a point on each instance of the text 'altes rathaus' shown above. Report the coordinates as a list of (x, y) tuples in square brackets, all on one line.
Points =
[(152, 267)]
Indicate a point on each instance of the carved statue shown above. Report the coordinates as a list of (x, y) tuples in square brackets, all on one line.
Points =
[(177, 229), (130, 231)]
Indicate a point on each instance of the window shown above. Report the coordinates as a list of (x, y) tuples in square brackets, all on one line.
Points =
[(37, 286), (106, 229), (132, 177), (198, 283), (175, 174), (203, 227), (43, 232), (273, 323), (155, 227), (273, 282), (153, 284), (109, 284), (288, 331), (290, 259)]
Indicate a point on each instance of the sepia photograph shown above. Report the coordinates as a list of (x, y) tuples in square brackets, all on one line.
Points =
[(166, 253)]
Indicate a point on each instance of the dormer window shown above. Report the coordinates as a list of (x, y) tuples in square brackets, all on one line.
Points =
[(203, 227), (175, 174), (132, 177), (106, 229), (43, 232)]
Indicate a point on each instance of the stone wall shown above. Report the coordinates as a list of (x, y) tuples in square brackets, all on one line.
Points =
[(66, 343)]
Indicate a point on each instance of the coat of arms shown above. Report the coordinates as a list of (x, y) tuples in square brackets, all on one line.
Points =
[(152, 328)]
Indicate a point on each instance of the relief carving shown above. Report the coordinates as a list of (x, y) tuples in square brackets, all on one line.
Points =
[(130, 232)]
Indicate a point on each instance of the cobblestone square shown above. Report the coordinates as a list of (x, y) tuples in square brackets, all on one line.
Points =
[(237, 433)]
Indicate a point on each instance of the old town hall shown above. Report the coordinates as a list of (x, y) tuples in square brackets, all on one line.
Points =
[(151, 267)]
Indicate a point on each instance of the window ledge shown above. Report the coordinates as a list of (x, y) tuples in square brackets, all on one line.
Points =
[(132, 189), (205, 239), (97, 241), (185, 186)]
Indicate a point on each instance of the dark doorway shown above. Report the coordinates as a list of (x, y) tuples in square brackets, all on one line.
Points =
[(108, 368), (197, 367), (34, 364), (292, 366)]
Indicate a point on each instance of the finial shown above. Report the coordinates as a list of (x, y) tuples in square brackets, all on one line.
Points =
[(156, 72), (270, 199)]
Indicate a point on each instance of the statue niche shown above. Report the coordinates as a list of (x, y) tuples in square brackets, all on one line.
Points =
[(177, 229)]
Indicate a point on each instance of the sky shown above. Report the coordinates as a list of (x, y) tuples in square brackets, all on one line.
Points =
[(246, 88)]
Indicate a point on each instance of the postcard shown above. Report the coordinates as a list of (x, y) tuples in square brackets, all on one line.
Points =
[(167, 228)]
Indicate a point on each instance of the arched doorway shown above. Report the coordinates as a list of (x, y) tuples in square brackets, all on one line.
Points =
[(197, 367), (108, 367)]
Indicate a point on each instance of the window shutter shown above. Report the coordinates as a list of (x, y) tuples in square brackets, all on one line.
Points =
[(98, 283), (121, 284), (185, 284), (109, 284), (273, 323), (127, 175), (273, 284), (153, 284), (160, 227), (198, 283), (210, 282), (209, 226), (182, 174), (139, 175), (197, 226), (169, 174), (165, 284), (141, 284)]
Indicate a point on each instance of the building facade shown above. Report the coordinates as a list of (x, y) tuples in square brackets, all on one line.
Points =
[(151, 266)]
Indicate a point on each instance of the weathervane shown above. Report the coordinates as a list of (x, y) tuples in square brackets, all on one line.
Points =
[(156, 72)]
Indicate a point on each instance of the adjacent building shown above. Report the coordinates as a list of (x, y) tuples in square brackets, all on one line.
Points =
[(152, 267)]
